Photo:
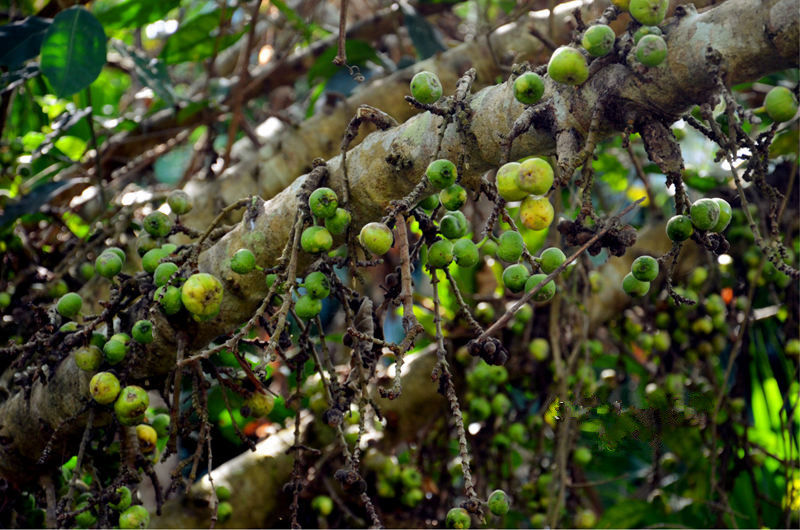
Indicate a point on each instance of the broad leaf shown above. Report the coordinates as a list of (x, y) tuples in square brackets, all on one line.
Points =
[(73, 51), (151, 73), (21, 41), (424, 36), (196, 38), (117, 14)]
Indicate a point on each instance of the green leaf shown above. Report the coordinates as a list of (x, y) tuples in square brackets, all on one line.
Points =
[(196, 38), (424, 36), (358, 52), (117, 14), (73, 51), (21, 41)]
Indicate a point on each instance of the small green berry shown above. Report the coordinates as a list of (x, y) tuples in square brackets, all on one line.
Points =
[(452, 227), (115, 351), (535, 176), (441, 173), (458, 518), (201, 295), (648, 12), (515, 276), (651, 50), (568, 66), (338, 223), (179, 202), (725, 215), (86, 271), (634, 287), (426, 87), (5, 300), (376, 238), (69, 305), (645, 30), (152, 259), (142, 332), (498, 502), (780, 104), (323, 505), (307, 307), (260, 404), (453, 197), (507, 181), (157, 224), (528, 88), (540, 349), (88, 358), (161, 424), (163, 273), (466, 253), (510, 246), (224, 511), (104, 387), (704, 213), (108, 265), (243, 262), (169, 298), (545, 293), (317, 285), (440, 254), (316, 239), (429, 203), (679, 228), (598, 40), (551, 259), (645, 268), (131, 405), (323, 202)]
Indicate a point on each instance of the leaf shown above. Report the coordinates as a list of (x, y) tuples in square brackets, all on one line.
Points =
[(73, 51), (196, 38), (151, 72), (21, 41), (424, 36), (117, 14)]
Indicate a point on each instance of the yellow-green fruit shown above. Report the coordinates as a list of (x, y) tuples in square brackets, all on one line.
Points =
[(598, 40), (145, 243), (540, 349), (108, 265), (568, 66), (780, 103), (648, 12), (123, 493), (507, 180), (260, 404), (651, 50), (115, 351), (131, 405), (426, 87), (69, 305), (535, 176), (551, 259), (634, 287), (546, 292), (161, 424), (307, 307), (88, 358), (322, 504), (224, 511), (528, 88), (142, 332), (134, 517), (622, 4), (169, 298), (223, 492), (704, 213), (679, 228), (441, 173), (645, 30), (5, 300), (323, 202), (316, 239), (377, 238), (725, 214), (515, 276), (510, 246), (317, 285), (163, 273), (86, 271), (466, 253), (498, 502), (645, 268), (458, 518), (536, 213), (453, 197), (104, 387), (337, 224), (243, 261), (147, 437), (202, 295), (152, 258), (179, 202), (440, 254), (157, 224), (585, 519)]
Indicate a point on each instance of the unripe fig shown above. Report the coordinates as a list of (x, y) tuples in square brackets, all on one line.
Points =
[(498, 502), (780, 104), (169, 248), (108, 265), (648, 12), (479, 409), (528, 88), (317, 285), (316, 239), (536, 213), (452, 226), (725, 214), (223, 492), (123, 493), (118, 251), (68, 327), (131, 405), (97, 339), (466, 253), (598, 40), (501, 405), (145, 243), (152, 259), (510, 246), (202, 295), (507, 180), (322, 504), (5, 300), (622, 4), (568, 66), (429, 203), (115, 351), (679, 228), (104, 387), (142, 332), (86, 271), (243, 262), (147, 437), (410, 477), (88, 358), (161, 424), (586, 518), (440, 254), (179, 202), (58, 289), (307, 307), (651, 50), (634, 287), (661, 340), (535, 176), (224, 511), (85, 519), (453, 197), (323, 202), (169, 298), (426, 87), (337, 224), (458, 518), (645, 30), (551, 259), (488, 248), (704, 213), (157, 224), (69, 305), (540, 349), (377, 238), (412, 497), (441, 173), (515, 276), (163, 273), (645, 268), (545, 293), (134, 517), (260, 404)]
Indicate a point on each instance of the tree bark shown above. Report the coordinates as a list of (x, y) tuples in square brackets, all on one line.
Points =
[(753, 38)]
